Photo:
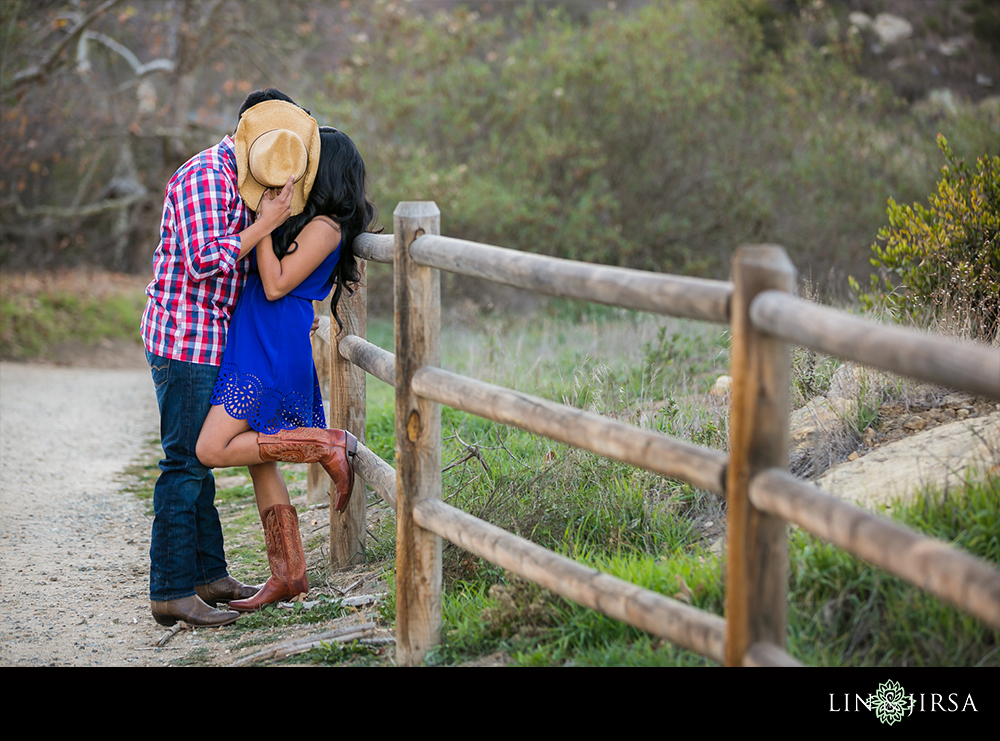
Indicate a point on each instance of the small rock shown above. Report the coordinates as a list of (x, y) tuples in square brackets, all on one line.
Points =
[(914, 424), (956, 400), (891, 29)]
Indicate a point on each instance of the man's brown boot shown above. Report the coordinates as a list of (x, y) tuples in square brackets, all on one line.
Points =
[(284, 555), (193, 611), (225, 589), (332, 449)]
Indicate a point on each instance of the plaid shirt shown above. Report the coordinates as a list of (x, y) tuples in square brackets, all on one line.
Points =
[(196, 275)]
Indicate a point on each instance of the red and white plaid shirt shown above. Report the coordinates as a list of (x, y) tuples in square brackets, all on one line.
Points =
[(196, 274)]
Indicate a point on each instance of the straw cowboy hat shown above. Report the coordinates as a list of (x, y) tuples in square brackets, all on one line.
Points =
[(275, 140)]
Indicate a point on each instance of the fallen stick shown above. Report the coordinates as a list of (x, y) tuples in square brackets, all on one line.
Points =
[(301, 645)]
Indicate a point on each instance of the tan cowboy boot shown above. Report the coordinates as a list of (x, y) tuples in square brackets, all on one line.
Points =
[(285, 557), (330, 448)]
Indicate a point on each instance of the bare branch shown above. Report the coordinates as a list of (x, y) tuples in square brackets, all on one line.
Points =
[(140, 69), (52, 59)]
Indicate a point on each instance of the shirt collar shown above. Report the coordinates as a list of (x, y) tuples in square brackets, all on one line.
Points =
[(228, 151)]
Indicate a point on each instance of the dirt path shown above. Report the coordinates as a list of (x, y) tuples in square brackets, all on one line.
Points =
[(73, 547)]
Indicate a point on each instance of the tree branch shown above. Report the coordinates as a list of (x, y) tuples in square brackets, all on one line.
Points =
[(52, 59), (140, 69)]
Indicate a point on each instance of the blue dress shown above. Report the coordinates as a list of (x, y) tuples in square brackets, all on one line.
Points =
[(267, 375)]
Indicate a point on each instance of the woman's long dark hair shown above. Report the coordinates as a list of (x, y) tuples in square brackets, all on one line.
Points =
[(338, 192)]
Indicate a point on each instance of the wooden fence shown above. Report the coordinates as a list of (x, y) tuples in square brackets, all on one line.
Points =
[(762, 497)]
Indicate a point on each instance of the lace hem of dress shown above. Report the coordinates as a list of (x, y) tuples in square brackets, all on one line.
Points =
[(266, 409)]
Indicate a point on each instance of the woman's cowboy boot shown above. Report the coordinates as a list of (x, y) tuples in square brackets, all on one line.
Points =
[(284, 555), (330, 448)]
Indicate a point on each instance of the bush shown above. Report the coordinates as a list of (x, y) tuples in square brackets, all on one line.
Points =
[(658, 139), (946, 258)]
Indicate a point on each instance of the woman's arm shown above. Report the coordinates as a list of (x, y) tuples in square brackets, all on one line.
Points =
[(315, 242)]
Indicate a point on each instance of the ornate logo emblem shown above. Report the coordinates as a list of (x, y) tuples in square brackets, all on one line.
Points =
[(890, 702)]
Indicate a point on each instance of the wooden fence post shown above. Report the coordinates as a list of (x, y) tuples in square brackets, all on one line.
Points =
[(417, 294), (347, 412), (318, 481), (757, 549)]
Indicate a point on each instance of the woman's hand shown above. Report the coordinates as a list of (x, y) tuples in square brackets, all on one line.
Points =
[(275, 209)]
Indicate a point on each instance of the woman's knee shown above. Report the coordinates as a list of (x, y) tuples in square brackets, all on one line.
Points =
[(208, 452)]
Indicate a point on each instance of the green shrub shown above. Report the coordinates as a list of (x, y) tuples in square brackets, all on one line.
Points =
[(946, 258)]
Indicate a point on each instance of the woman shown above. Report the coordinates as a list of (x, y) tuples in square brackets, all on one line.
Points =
[(266, 403)]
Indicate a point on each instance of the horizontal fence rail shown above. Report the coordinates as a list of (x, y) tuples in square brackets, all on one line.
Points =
[(689, 627), (640, 290), (374, 247), (946, 572), (762, 496), (378, 474), (946, 362), (702, 467), (371, 358)]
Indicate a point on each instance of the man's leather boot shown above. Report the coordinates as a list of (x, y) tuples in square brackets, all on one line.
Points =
[(193, 611), (225, 589), (332, 449), (285, 557)]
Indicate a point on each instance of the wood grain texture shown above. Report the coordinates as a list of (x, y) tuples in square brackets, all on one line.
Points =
[(963, 580), (757, 550), (960, 365), (374, 247), (417, 310), (689, 627), (701, 467), (378, 474), (370, 358), (693, 298), (348, 529)]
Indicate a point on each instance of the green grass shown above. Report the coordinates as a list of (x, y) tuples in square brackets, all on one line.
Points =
[(643, 528), (37, 315)]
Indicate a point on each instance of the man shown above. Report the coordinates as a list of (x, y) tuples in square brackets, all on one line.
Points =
[(198, 271)]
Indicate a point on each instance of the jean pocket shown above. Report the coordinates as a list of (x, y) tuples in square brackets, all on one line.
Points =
[(160, 368)]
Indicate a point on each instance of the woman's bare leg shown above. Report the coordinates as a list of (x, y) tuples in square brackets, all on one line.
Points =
[(226, 441), (269, 486)]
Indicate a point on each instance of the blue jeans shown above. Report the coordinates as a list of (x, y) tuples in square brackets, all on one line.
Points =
[(186, 546)]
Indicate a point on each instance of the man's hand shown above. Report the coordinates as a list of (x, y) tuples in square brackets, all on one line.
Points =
[(275, 210), (315, 325)]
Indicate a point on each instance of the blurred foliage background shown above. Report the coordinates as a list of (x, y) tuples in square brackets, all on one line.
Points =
[(658, 134)]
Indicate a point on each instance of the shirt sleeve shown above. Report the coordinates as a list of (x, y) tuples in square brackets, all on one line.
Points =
[(205, 221)]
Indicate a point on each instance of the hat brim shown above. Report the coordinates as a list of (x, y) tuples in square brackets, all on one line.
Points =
[(265, 117)]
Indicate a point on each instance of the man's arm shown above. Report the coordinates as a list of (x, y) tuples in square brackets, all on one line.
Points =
[(203, 202)]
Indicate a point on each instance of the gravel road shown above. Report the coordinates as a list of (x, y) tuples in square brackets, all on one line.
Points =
[(74, 549)]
